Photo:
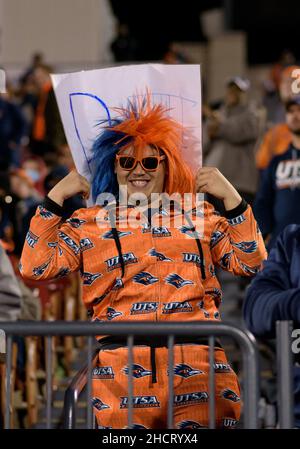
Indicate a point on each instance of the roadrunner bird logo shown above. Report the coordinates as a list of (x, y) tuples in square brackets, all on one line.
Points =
[(160, 256), (186, 371), (98, 404), (138, 371), (230, 395), (145, 278), (177, 281), (112, 313)]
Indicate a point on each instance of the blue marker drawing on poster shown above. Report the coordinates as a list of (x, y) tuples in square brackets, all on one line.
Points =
[(103, 105), (169, 100)]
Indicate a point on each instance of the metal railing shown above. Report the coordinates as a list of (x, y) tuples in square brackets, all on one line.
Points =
[(244, 339)]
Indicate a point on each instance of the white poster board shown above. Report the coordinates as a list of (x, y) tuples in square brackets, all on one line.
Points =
[(85, 98)]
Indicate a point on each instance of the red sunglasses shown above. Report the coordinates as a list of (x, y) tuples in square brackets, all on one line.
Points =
[(148, 163)]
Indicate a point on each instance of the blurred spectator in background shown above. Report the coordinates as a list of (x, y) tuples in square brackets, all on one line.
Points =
[(26, 199), (276, 140), (13, 128), (10, 292), (278, 197), (7, 213), (175, 55), (274, 295), (231, 135), (124, 46), (47, 133), (274, 96), (35, 168), (37, 60)]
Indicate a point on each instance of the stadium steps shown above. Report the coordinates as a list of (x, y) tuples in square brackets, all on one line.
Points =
[(58, 401)]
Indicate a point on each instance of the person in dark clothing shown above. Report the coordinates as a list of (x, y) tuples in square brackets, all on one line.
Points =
[(13, 127), (276, 203), (274, 295), (124, 46)]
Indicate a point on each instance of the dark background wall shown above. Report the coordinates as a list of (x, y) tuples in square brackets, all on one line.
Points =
[(271, 25)]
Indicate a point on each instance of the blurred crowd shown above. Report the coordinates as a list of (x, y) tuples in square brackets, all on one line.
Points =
[(34, 154)]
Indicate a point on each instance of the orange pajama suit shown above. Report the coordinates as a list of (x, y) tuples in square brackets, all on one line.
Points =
[(154, 272)]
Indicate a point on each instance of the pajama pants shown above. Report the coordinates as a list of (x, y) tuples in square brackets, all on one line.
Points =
[(150, 388)]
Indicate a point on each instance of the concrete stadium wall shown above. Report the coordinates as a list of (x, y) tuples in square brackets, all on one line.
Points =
[(68, 31)]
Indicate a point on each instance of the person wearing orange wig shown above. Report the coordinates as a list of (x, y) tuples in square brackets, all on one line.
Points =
[(155, 271)]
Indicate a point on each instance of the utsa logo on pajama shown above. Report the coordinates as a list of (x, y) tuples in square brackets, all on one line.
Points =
[(246, 247), (189, 425), (222, 368), (31, 239), (157, 231), (145, 278), (216, 237), (177, 281), (176, 307), (89, 278), (139, 308), (237, 220), (161, 257), (109, 234), (112, 313), (75, 222), (86, 244), (190, 398), (230, 395), (192, 258), (70, 242), (140, 402), (229, 422), (138, 371), (98, 404), (114, 262), (44, 213), (103, 372), (186, 371)]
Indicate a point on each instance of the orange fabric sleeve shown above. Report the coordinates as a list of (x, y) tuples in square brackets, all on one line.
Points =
[(52, 248), (241, 248)]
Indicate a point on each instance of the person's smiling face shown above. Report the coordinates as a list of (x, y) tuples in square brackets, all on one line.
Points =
[(139, 180)]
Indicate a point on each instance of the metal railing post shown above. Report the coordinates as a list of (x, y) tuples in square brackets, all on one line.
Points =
[(285, 374)]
